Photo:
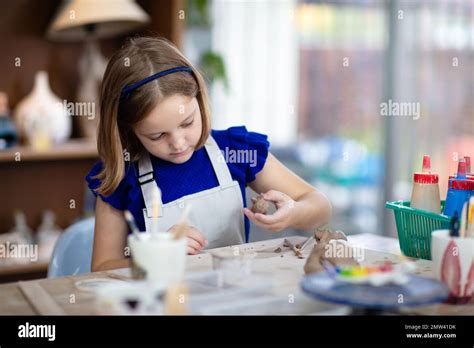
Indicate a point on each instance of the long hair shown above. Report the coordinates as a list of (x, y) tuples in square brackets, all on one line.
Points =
[(137, 59)]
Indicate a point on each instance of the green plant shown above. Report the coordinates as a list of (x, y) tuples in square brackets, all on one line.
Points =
[(211, 63), (213, 67), (197, 13)]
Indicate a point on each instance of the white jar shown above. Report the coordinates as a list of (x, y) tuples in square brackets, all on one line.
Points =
[(162, 258)]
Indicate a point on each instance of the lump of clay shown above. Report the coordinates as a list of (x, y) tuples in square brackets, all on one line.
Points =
[(314, 262), (327, 235), (318, 255), (260, 205)]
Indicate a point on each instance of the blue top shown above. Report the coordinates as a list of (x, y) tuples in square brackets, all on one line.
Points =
[(195, 175)]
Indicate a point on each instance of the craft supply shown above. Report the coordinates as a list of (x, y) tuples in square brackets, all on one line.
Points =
[(156, 203), (373, 275), (295, 250), (468, 165), (306, 243), (425, 193), (325, 251), (131, 223), (416, 291), (130, 298), (460, 189), (327, 234), (234, 263), (469, 172), (454, 225), (176, 299), (462, 229), (470, 218), (160, 257), (453, 264), (180, 229), (260, 205)]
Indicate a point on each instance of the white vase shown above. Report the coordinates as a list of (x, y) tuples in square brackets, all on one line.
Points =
[(42, 112)]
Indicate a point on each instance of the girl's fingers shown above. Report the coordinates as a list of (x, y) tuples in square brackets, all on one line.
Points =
[(276, 217), (196, 235), (275, 196), (194, 244), (191, 251), (251, 216), (266, 220)]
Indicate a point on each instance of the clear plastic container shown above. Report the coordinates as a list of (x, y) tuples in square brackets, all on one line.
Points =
[(205, 289), (261, 304), (212, 293)]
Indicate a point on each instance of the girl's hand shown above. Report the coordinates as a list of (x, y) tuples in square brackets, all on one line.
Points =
[(283, 216), (196, 241)]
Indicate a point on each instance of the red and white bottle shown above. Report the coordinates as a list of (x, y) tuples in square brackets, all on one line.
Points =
[(425, 194)]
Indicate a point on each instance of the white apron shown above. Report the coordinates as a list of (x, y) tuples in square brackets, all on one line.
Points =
[(216, 212)]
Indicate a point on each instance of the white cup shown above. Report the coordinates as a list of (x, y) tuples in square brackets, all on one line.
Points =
[(456, 255), (161, 258)]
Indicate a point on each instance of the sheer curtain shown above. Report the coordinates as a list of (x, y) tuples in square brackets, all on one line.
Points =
[(258, 42)]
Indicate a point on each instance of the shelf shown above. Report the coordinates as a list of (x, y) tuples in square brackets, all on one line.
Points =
[(73, 149), (23, 268)]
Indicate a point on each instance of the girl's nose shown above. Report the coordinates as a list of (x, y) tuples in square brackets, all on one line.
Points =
[(177, 141)]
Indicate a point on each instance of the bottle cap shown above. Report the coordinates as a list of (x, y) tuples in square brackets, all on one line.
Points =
[(426, 164), (461, 169), (425, 176), (468, 164), (461, 184)]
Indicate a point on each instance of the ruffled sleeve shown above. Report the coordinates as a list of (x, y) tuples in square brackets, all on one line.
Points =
[(257, 146), (118, 198)]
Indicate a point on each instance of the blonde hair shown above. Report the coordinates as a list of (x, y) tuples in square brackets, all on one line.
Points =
[(137, 59)]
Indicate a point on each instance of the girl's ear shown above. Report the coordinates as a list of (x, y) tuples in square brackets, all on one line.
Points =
[(451, 269)]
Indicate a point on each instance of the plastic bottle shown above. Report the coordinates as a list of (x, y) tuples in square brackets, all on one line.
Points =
[(460, 189), (469, 173), (425, 193)]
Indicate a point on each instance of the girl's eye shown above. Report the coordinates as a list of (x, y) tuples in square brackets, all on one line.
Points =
[(188, 124), (157, 138), (161, 135)]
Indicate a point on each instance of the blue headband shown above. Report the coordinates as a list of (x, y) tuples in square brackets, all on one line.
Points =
[(127, 90)]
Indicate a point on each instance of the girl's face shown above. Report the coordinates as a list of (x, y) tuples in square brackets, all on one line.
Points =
[(172, 129)]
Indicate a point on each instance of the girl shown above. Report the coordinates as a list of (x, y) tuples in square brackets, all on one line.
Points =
[(154, 140)]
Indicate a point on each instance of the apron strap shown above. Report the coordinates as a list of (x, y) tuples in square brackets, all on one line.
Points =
[(148, 185), (218, 162)]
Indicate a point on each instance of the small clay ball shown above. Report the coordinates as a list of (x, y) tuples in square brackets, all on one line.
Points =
[(260, 205)]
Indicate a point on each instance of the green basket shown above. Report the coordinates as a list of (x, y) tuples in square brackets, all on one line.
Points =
[(414, 228)]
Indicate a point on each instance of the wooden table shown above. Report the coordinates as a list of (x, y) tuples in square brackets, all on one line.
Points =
[(61, 296)]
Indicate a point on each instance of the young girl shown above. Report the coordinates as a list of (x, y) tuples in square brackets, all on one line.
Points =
[(155, 140)]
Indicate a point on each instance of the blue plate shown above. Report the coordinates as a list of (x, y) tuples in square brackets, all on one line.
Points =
[(415, 292)]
